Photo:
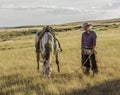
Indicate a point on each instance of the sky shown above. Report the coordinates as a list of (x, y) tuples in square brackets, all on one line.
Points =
[(44, 12)]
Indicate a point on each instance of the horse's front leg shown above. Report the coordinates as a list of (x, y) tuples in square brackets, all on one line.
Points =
[(57, 61), (38, 59)]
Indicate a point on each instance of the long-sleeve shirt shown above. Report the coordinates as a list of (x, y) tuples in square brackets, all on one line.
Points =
[(89, 39)]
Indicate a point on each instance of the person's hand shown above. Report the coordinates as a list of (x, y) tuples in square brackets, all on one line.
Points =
[(94, 51)]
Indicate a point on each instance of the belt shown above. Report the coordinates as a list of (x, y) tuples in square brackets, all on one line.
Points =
[(87, 47)]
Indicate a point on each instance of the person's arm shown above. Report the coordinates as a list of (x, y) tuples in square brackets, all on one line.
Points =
[(82, 42)]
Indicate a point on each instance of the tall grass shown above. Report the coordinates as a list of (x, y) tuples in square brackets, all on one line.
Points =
[(19, 76)]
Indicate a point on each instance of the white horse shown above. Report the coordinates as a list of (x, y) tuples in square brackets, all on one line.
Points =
[(48, 47)]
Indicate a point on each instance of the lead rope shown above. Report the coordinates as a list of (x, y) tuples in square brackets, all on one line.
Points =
[(82, 64)]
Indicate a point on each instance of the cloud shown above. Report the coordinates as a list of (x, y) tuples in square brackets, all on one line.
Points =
[(64, 10), (49, 9), (115, 5), (112, 5)]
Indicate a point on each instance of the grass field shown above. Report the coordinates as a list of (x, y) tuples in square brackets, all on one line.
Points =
[(19, 76)]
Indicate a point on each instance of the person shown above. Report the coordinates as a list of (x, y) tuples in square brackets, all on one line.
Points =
[(40, 34), (88, 53)]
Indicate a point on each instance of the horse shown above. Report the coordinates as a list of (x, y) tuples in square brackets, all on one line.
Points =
[(48, 47)]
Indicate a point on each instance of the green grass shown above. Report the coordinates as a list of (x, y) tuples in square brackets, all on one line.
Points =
[(19, 76)]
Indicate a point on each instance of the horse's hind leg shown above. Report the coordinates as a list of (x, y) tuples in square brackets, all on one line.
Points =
[(57, 61)]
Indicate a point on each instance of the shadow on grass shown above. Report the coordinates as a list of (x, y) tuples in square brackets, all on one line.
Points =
[(17, 83), (107, 88)]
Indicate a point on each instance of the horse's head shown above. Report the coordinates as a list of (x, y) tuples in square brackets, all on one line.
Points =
[(47, 67)]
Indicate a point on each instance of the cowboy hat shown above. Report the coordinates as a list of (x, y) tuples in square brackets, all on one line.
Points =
[(86, 25)]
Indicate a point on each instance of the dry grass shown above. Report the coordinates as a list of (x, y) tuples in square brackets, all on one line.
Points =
[(19, 76)]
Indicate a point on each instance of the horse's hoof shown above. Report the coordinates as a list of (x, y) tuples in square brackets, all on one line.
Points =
[(59, 71)]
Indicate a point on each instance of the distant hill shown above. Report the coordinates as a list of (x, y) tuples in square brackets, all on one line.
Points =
[(111, 20), (115, 20)]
